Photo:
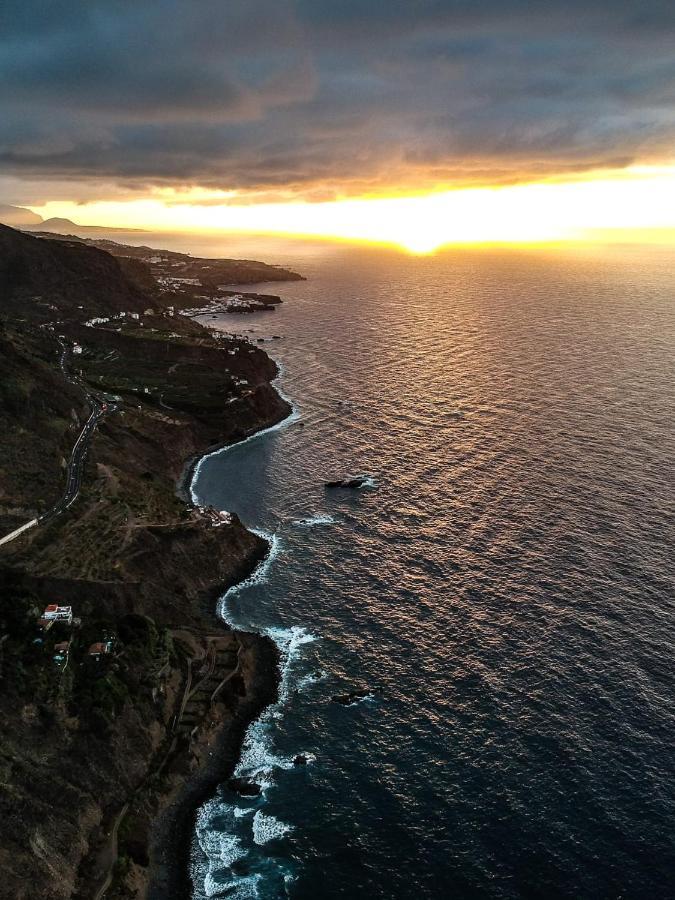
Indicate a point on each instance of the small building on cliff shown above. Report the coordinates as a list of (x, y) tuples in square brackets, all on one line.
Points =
[(55, 613)]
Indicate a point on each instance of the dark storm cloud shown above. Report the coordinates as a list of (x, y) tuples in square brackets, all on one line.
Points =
[(345, 94)]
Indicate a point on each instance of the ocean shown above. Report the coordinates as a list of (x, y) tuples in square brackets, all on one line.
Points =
[(478, 644)]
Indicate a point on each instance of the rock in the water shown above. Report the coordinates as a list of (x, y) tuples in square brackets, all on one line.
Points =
[(358, 482), (355, 696), (300, 760), (244, 787)]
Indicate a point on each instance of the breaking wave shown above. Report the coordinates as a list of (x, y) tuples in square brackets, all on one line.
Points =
[(227, 859), (312, 521), (258, 576), (267, 828), (293, 416)]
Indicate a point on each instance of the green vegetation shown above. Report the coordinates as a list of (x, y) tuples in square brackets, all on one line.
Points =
[(93, 689)]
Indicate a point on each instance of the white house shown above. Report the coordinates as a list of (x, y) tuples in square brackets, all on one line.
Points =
[(55, 613)]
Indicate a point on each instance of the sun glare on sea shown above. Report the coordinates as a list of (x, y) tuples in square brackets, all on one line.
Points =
[(638, 201)]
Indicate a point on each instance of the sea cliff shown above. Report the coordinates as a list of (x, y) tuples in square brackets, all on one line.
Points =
[(139, 704)]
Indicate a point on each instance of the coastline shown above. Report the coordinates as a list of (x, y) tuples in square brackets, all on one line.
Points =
[(171, 844), (185, 484), (172, 840), (189, 779)]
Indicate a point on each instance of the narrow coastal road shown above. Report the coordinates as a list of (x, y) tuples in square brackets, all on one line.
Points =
[(75, 467), (15, 534)]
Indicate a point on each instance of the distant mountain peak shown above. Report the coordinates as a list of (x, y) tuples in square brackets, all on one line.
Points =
[(18, 216), (58, 223)]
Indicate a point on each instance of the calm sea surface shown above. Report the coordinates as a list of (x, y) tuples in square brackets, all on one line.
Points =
[(503, 596)]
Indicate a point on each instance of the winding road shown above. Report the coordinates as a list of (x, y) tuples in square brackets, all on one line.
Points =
[(75, 467)]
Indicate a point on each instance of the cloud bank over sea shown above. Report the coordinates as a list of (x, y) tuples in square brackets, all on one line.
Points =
[(277, 99)]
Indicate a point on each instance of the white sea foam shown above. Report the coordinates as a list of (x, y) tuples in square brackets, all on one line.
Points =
[(309, 758), (220, 851), (258, 576), (258, 760), (311, 678), (239, 813), (293, 416), (289, 641), (314, 520), (366, 698), (241, 888), (267, 828), (219, 846), (228, 849), (369, 481)]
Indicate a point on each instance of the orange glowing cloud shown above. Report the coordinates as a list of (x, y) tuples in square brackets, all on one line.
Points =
[(638, 202)]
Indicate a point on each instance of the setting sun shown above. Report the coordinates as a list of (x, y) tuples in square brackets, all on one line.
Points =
[(631, 202)]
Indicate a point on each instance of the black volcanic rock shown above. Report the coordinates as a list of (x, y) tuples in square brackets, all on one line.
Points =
[(354, 697), (354, 483), (244, 787)]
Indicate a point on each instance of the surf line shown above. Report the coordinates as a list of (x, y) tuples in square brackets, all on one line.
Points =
[(257, 761), (292, 417)]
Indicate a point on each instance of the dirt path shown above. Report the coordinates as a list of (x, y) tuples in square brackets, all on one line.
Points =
[(109, 852)]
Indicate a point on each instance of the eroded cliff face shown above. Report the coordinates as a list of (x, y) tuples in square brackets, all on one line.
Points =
[(139, 567)]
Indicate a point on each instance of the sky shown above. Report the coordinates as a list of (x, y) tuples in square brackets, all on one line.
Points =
[(214, 114)]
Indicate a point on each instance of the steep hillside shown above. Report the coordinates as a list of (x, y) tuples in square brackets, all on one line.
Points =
[(40, 278), (39, 417)]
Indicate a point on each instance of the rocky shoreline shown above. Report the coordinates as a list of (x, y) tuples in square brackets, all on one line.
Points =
[(217, 747), (172, 839), (172, 842)]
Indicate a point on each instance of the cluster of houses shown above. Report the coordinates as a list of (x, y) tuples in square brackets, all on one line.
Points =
[(215, 517), (105, 320), (231, 303), (171, 281), (63, 615)]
